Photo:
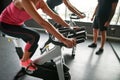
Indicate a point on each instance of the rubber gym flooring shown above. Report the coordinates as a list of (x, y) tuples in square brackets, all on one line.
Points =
[(85, 65)]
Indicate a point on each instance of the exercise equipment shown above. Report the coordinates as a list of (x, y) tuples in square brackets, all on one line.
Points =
[(64, 32), (10, 61), (51, 65), (73, 17), (72, 24)]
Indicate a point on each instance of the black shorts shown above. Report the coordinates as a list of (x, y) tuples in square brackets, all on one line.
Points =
[(99, 23)]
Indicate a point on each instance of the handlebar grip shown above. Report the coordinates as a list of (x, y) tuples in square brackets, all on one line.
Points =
[(83, 33), (58, 43), (79, 40), (62, 44), (74, 16), (78, 34)]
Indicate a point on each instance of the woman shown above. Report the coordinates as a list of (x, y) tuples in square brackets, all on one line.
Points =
[(12, 23), (54, 3)]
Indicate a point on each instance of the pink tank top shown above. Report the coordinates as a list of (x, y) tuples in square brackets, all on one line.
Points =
[(13, 15)]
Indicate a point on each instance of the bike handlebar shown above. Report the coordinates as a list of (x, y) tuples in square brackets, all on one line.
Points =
[(74, 16), (78, 34)]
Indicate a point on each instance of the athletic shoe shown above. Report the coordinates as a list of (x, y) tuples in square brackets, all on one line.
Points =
[(93, 45), (28, 65), (100, 51)]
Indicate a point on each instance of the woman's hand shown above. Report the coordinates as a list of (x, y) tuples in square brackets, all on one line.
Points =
[(69, 42), (83, 15), (76, 27)]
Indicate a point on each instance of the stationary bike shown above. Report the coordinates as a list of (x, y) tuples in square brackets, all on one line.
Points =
[(72, 24), (51, 65)]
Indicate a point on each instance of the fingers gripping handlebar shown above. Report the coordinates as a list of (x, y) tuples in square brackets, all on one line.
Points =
[(78, 34), (74, 16)]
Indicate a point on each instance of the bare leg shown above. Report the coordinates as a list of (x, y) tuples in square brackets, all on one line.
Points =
[(103, 38), (26, 56), (25, 61), (95, 35)]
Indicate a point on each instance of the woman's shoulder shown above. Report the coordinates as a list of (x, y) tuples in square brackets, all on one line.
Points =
[(17, 3)]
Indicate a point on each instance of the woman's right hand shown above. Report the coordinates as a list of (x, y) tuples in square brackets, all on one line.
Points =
[(69, 42)]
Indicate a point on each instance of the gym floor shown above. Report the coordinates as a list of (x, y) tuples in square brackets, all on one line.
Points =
[(85, 65)]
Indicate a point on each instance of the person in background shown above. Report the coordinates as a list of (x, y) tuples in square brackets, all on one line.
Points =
[(102, 16), (3, 4), (12, 21), (53, 3)]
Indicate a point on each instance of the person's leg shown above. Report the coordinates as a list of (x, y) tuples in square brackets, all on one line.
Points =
[(95, 35), (103, 38), (29, 36), (31, 43), (103, 30)]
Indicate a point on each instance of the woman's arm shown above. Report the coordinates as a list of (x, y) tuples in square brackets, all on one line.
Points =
[(73, 9), (31, 9), (53, 15)]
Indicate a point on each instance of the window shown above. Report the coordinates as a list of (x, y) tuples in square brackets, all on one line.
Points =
[(86, 6)]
